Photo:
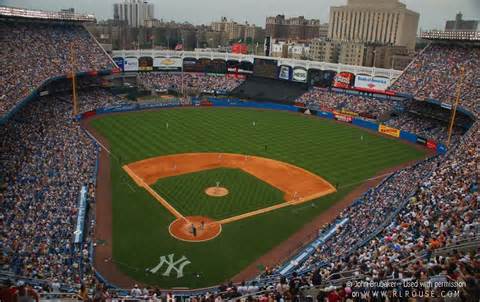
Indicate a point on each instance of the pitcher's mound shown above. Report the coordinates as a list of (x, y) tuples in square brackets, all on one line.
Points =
[(216, 191), (205, 229)]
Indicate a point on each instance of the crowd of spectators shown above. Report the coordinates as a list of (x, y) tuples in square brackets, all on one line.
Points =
[(45, 160), (190, 82), (436, 72), (425, 127), (324, 99), (33, 52)]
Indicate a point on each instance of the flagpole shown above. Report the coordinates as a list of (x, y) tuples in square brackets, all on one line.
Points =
[(457, 101)]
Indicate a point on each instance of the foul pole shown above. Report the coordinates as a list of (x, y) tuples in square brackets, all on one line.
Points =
[(457, 101), (74, 81)]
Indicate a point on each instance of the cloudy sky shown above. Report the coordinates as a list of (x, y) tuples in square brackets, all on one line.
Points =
[(433, 13)]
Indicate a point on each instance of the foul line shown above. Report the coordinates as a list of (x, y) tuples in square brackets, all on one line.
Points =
[(284, 204), (367, 180), (159, 198), (97, 141)]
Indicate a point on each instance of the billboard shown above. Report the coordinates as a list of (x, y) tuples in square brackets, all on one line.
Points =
[(233, 66), (119, 61), (389, 131), (299, 75), (342, 117), (145, 64), (239, 67), (285, 72), (194, 65), (344, 80), (371, 84), (216, 66), (421, 141), (246, 67), (130, 64), (321, 78), (162, 63), (265, 68)]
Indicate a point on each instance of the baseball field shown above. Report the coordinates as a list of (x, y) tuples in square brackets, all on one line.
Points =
[(199, 195)]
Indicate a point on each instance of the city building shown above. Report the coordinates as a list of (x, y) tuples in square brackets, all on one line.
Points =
[(324, 51), (254, 33), (279, 50), (361, 54), (235, 32), (386, 22), (219, 25), (323, 31), (392, 57), (292, 29), (282, 49), (352, 53), (462, 25), (134, 12)]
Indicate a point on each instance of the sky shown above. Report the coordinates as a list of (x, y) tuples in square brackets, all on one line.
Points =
[(433, 13)]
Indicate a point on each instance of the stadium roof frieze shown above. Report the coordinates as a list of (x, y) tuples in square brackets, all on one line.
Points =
[(294, 63), (463, 36), (13, 12)]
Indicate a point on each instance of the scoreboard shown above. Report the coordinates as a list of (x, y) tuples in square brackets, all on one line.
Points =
[(265, 68)]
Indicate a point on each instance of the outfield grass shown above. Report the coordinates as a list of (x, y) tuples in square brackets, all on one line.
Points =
[(246, 193), (140, 224)]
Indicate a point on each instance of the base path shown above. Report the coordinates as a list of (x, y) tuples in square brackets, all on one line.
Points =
[(298, 185)]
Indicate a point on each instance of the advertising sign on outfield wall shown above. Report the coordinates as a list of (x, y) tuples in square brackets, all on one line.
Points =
[(299, 75), (119, 61), (284, 72), (145, 64), (421, 140), (344, 80), (130, 64), (342, 117), (371, 84), (167, 63), (389, 131)]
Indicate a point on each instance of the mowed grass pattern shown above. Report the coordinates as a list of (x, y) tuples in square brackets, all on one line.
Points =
[(140, 224), (246, 193)]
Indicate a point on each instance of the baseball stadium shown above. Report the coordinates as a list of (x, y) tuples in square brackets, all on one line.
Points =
[(175, 175)]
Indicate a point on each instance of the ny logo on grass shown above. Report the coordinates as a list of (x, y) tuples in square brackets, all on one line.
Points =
[(178, 265)]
